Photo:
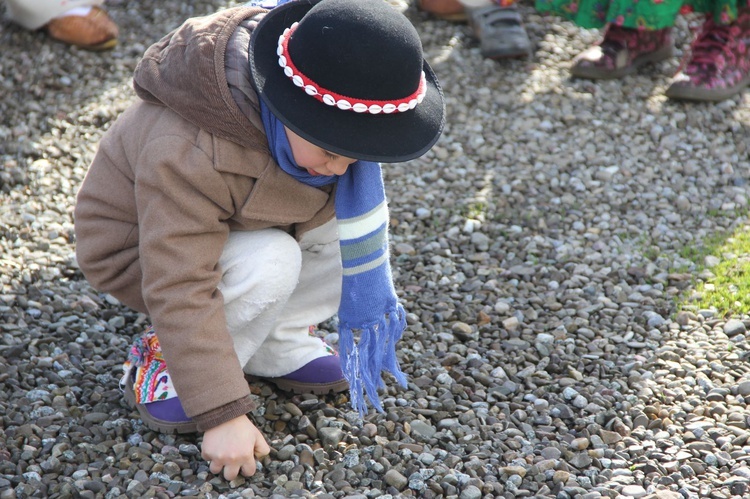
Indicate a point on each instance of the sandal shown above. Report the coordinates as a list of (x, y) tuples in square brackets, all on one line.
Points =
[(447, 10), (621, 51), (500, 32)]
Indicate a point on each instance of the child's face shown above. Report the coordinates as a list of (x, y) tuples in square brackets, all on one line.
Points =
[(314, 159)]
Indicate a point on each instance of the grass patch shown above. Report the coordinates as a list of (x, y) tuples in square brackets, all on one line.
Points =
[(474, 210), (729, 290), (712, 245)]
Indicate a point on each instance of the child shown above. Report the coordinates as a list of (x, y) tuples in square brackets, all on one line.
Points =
[(215, 204), (716, 67)]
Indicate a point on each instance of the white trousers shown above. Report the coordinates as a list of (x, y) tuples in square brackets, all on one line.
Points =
[(33, 14), (274, 289)]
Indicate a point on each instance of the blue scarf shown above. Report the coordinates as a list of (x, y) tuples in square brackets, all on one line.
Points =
[(369, 306)]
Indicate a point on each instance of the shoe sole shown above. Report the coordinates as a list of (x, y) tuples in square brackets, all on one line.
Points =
[(101, 47), (153, 423), (495, 56), (592, 73), (300, 387), (679, 92)]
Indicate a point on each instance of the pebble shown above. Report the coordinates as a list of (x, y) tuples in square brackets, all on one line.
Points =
[(540, 251), (396, 479), (733, 327)]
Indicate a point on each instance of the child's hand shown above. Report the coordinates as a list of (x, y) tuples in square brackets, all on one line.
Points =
[(233, 447)]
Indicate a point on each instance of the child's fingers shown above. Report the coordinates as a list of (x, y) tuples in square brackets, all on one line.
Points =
[(248, 469), (231, 471), (230, 447), (262, 449), (215, 466)]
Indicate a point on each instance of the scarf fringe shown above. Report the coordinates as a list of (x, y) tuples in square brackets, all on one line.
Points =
[(363, 361)]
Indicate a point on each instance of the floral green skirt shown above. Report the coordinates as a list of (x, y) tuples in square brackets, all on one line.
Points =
[(643, 14)]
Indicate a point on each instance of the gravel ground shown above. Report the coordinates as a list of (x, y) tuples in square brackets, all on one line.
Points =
[(537, 249)]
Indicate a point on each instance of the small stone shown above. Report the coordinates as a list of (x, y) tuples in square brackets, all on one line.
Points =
[(569, 393), (404, 249), (286, 452), (634, 491), (743, 388), (330, 436), (189, 450), (422, 431), (551, 453), (733, 327), (579, 444), (502, 307), (711, 261), (471, 492), (511, 323), (514, 470), (396, 479), (462, 331), (560, 476), (666, 494)]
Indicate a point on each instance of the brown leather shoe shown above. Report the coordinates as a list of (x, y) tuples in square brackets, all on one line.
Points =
[(94, 31), (449, 10)]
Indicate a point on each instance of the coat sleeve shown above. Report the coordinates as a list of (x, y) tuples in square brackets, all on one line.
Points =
[(183, 204)]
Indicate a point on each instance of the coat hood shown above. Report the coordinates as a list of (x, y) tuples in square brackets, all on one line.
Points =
[(185, 72)]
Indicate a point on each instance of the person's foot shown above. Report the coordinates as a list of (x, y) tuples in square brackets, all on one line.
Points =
[(500, 31), (621, 52), (449, 10), (147, 387), (164, 416), (718, 65), (93, 31)]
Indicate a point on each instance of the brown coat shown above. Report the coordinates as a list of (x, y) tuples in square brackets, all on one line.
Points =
[(178, 170)]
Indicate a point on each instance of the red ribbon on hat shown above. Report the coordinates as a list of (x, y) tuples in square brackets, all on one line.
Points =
[(343, 102)]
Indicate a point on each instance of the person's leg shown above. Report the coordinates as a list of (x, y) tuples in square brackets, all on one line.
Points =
[(288, 346), (635, 33), (718, 63), (34, 15), (621, 51), (77, 22), (260, 270)]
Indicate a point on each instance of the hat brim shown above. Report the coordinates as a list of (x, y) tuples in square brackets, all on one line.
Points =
[(372, 137)]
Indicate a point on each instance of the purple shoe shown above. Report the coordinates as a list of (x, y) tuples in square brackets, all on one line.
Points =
[(319, 376), (164, 416), (148, 387)]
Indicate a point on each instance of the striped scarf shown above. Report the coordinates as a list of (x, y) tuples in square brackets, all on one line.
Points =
[(369, 307)]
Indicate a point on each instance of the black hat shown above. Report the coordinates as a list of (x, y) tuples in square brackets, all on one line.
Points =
[(348, 53)]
